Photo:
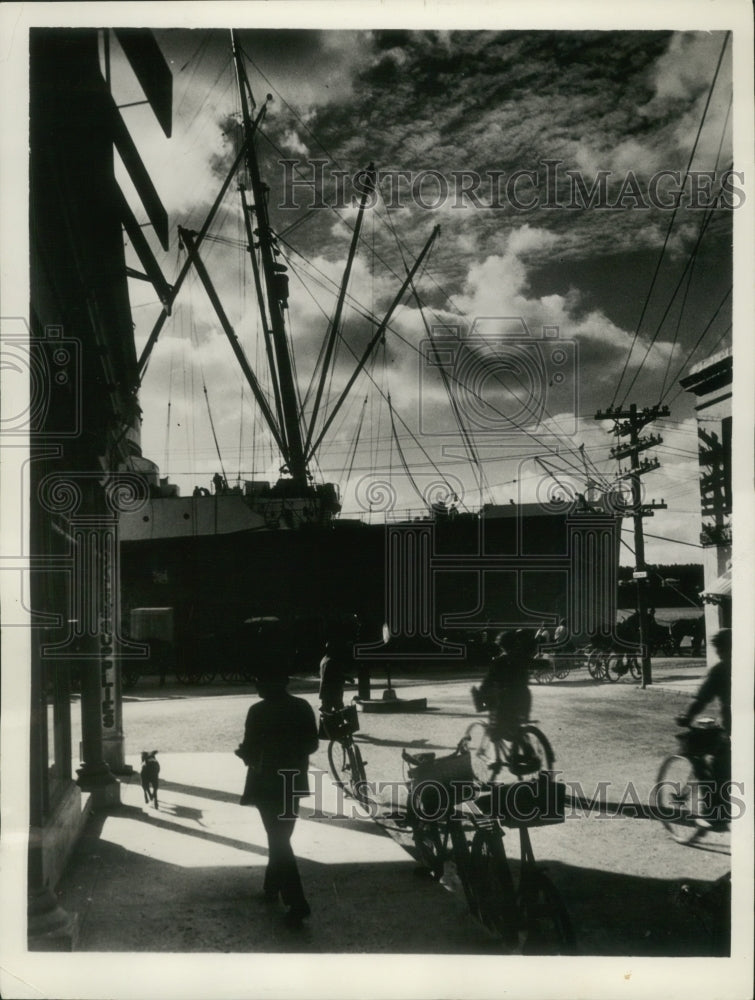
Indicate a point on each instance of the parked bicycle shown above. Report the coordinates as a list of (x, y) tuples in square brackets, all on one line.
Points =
[(446, 804), (686, 784), (344, 756), (527, 753)]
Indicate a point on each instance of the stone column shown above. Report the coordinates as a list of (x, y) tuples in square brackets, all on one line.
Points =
[(94, 638)]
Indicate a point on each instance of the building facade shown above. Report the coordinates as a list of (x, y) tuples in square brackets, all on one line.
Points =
[(711, 383), (83, 370)]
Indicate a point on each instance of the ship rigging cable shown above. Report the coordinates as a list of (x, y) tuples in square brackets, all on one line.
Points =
[(529, 406), (669, 228), (336, 162), (448, 298), (362, 311), (402, 458)]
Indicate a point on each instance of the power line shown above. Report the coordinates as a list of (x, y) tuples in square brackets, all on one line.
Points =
[(671, 224)]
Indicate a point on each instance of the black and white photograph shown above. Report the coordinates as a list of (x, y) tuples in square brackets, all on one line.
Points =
[(377, 515)]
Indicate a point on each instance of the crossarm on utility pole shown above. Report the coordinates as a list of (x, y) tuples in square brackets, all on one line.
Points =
[(194, 258)]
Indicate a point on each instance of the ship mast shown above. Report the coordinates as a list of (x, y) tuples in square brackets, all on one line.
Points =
[(276, 286)]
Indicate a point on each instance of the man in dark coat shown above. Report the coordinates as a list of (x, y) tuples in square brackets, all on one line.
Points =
[(279, 736)]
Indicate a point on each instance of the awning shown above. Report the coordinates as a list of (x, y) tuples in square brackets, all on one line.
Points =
[(719, 590)]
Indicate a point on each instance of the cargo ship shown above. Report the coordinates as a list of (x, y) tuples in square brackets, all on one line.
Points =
[(196, 568)]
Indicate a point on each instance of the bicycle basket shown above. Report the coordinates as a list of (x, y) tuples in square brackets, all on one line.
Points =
[(337, 725), (438, 786), (700, 740), (540, 802)]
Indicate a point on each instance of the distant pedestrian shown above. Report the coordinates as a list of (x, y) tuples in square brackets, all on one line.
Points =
[(542, 637), (564, 646), (336, 668), (279, 736), (561, 635)]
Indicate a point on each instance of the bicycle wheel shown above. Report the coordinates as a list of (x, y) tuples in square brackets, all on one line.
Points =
[(347, 768), (544, 921), (615, 667), (530, 753), (484, 755), (596, 665), (494, 885), (676, 797), (360, 788), (635, 668), (461, 855), (429, 847), (232, 675), (544, 675)]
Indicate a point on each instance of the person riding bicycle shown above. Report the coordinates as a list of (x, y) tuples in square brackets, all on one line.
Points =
[(505, 689), (717, 684)]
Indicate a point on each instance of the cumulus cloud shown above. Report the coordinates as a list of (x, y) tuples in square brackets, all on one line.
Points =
[(446, 102)]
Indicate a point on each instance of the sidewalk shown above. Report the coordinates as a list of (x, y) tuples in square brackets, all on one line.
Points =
[(185, 877)]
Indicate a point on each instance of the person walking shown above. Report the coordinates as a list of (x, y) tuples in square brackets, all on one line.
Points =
[(279, 735), (336, 667)]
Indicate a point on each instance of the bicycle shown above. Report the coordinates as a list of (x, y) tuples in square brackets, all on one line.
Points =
[(620, 664), (531, 916), (527, 752), (684, 778), (344, 756)]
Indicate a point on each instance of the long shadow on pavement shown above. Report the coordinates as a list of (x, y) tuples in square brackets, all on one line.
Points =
[(129, 902)]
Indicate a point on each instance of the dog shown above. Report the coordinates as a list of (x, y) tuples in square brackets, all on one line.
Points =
[(150, 772)]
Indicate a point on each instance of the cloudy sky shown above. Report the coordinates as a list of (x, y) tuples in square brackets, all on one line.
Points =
[(528, 123)]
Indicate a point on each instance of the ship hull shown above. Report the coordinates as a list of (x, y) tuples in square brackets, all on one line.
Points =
[(474, 572)]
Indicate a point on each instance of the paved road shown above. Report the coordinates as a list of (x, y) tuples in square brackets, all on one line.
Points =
[(619, 871)]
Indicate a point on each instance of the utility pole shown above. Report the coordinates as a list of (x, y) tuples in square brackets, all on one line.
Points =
[(629, 423)]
